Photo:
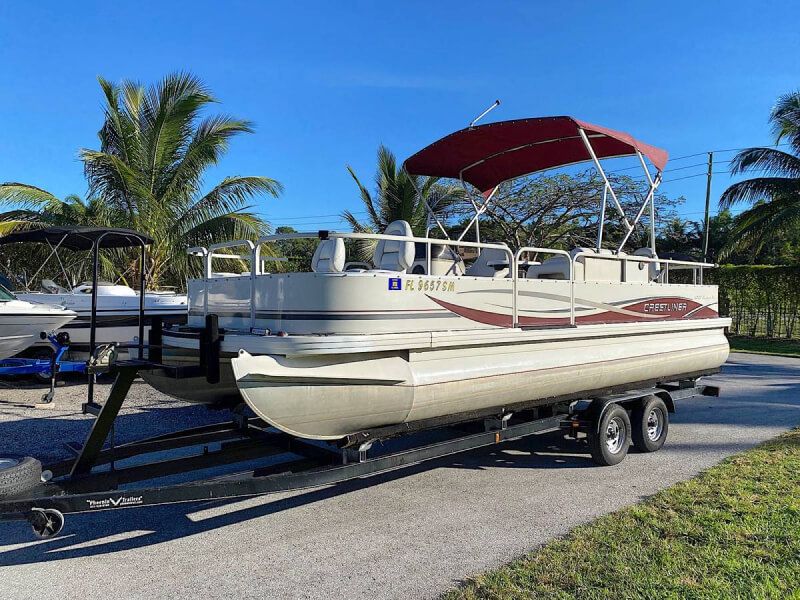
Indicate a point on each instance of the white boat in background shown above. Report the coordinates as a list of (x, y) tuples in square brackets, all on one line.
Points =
[(22, 323), (336, 352), (117, 305), (117, 310)]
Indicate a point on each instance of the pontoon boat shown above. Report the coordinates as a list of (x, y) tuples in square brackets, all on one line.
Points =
[(333, 352)]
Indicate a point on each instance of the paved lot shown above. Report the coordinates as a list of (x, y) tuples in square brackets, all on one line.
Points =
[(396, 536)]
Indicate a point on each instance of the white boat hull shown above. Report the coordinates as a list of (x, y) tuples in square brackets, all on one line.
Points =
[(117, 315), (301, 394), (21, 325)]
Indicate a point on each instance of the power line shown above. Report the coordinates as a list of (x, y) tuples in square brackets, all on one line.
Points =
[(697, 175), (698, 154), (730, 150), (702, 164)]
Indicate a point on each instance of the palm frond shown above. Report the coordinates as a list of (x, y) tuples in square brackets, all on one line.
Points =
[(228, 197), (366, 198), (768, 161), (760, 188), (209, 142), (24, 196), (762, 224), (785, 120)]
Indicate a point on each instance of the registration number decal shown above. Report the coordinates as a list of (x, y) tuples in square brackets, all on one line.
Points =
[(430, 286)]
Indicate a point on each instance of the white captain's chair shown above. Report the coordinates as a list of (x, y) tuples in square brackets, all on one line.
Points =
[(653, 268), (492, 262), (393, 255), (329, 256)]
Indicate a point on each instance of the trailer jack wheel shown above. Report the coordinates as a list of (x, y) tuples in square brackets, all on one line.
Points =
[(46, 522)]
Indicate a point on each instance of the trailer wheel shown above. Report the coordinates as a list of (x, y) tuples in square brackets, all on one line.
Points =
[(650, 423), (18, 474), (46, 522), (610, 439), (43, 354)]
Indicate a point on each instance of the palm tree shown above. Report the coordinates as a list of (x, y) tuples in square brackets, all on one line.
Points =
[(38, 208), (396, 197), (779, 184), (155, 146)]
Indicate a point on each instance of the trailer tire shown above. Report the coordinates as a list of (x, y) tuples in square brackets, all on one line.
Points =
[(610, 438), (18, 474), (650, 421), (42, 354)]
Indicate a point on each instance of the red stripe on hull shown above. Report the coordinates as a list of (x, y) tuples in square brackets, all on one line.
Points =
[(657, 309)]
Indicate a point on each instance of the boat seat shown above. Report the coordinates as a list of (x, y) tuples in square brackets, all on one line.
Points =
[(329, 256), (51, 287), (653, 268), (392, 255), (492, 262), (557, 267)]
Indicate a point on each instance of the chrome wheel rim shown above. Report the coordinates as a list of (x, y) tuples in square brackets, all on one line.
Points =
[(615, 435), (655, 425)]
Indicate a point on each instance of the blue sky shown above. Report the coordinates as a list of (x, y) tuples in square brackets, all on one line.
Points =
[(327, 82)]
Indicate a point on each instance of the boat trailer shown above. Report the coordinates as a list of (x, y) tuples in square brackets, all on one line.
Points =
[(99, 478), (45, 367)]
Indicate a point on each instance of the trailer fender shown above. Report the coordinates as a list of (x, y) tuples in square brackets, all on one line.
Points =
[(667, 398), (598, 406)]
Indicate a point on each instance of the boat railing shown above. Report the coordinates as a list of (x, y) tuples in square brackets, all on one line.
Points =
[(255, 260), (267, 239), (663, 276), (208, 255), (516, 278)]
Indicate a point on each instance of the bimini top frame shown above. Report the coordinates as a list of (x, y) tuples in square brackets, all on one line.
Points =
[(488, 155), (91, 238)]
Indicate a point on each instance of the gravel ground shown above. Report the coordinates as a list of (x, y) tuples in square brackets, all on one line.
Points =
[(406, 535), (31, 431)]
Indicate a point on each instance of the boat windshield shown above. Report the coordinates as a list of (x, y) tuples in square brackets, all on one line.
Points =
[(5, 295)]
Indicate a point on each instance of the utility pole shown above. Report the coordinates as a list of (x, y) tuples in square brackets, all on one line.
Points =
[(708, 201)]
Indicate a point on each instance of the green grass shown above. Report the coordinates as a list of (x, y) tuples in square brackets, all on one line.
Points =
[(732, 532), (756, 345)]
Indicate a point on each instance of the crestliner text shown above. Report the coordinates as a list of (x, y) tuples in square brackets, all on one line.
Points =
[(665, 307)]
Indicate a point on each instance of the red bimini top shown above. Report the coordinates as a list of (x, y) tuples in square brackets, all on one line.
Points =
[(488, 155)]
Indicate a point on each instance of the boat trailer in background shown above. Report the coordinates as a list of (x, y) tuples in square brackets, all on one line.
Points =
[(44, 368)]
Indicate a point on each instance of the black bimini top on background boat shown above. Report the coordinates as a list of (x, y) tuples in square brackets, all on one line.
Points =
[(79, 237)]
